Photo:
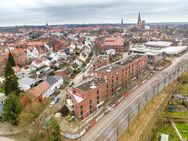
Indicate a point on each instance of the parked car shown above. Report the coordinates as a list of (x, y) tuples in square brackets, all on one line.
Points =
[(54, 101)]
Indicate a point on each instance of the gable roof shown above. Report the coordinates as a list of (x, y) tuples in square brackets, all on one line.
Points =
[(53, 79), (40, 89)]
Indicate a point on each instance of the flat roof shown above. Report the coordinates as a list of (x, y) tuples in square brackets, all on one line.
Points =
[(158, 43), (90, 84), (164, 137), (128, 60), (103, 57), (117, 65), (144, 49), (109, 68), (174, 49)]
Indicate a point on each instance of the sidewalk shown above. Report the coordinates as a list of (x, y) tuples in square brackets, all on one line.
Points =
[(5, 139)]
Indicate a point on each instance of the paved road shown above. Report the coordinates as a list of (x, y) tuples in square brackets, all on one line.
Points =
[(106, 122)]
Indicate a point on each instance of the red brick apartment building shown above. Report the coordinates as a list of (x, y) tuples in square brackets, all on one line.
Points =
[(102, 60), (119, 73), (116, 43), (88, 96)]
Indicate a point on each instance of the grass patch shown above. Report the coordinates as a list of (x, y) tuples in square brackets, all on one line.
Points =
[(166, 128), (31, 112), (184, 89), (2, 89), (183, 114), (183, 129)]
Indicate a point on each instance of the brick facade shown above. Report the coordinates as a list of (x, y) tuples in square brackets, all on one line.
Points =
[(107, 81)]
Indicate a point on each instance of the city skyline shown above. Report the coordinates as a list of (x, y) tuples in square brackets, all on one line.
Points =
[(33, 12)]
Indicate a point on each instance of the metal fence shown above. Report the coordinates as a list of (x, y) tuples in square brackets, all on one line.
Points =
[(117, 125)]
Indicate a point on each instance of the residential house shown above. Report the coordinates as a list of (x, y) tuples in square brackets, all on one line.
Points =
[(25, 83), (65, 72), (32, 53), (2, 101), (17, 70), (37, 63), (47, 87)]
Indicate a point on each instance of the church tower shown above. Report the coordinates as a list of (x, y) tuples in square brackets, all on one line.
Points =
[(139, 18), (122, 21)]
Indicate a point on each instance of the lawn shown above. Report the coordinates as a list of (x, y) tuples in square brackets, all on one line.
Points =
[(184, 89), (166, 128), (183, 114), (2, 90), (183, 129)]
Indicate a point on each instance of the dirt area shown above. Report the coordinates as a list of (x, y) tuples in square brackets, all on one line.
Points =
[(138, 125)]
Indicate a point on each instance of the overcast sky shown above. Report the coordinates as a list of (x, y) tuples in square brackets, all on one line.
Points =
[(24, 12)]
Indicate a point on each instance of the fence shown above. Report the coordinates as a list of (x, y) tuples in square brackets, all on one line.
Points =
[(120, 122)]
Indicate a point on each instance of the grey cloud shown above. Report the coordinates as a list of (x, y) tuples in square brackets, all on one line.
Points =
[(95, 12)]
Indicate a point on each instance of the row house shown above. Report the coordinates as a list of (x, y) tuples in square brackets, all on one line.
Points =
[(32, 53), (46, 88)]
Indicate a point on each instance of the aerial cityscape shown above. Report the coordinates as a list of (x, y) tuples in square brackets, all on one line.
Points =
[(108, 70)]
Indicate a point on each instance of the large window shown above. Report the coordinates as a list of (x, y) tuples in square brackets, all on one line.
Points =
[(98, 99)]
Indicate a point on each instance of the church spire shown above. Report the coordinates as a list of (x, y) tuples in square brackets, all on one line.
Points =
[(139, 18), (121, 21)]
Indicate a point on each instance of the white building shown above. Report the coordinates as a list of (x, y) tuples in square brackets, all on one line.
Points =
[(25, 83), (158, 44), (32, 53)]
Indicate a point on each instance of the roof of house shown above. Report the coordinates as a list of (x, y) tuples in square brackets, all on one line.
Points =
[(53, 79), (113, 41), (40, 89), (26, 80), (16, 69)]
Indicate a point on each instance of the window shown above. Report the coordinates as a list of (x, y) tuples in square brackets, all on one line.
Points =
[(90, 109), (90, 102), (97, 91), (81, 108), (97, 99), (81, 114)]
